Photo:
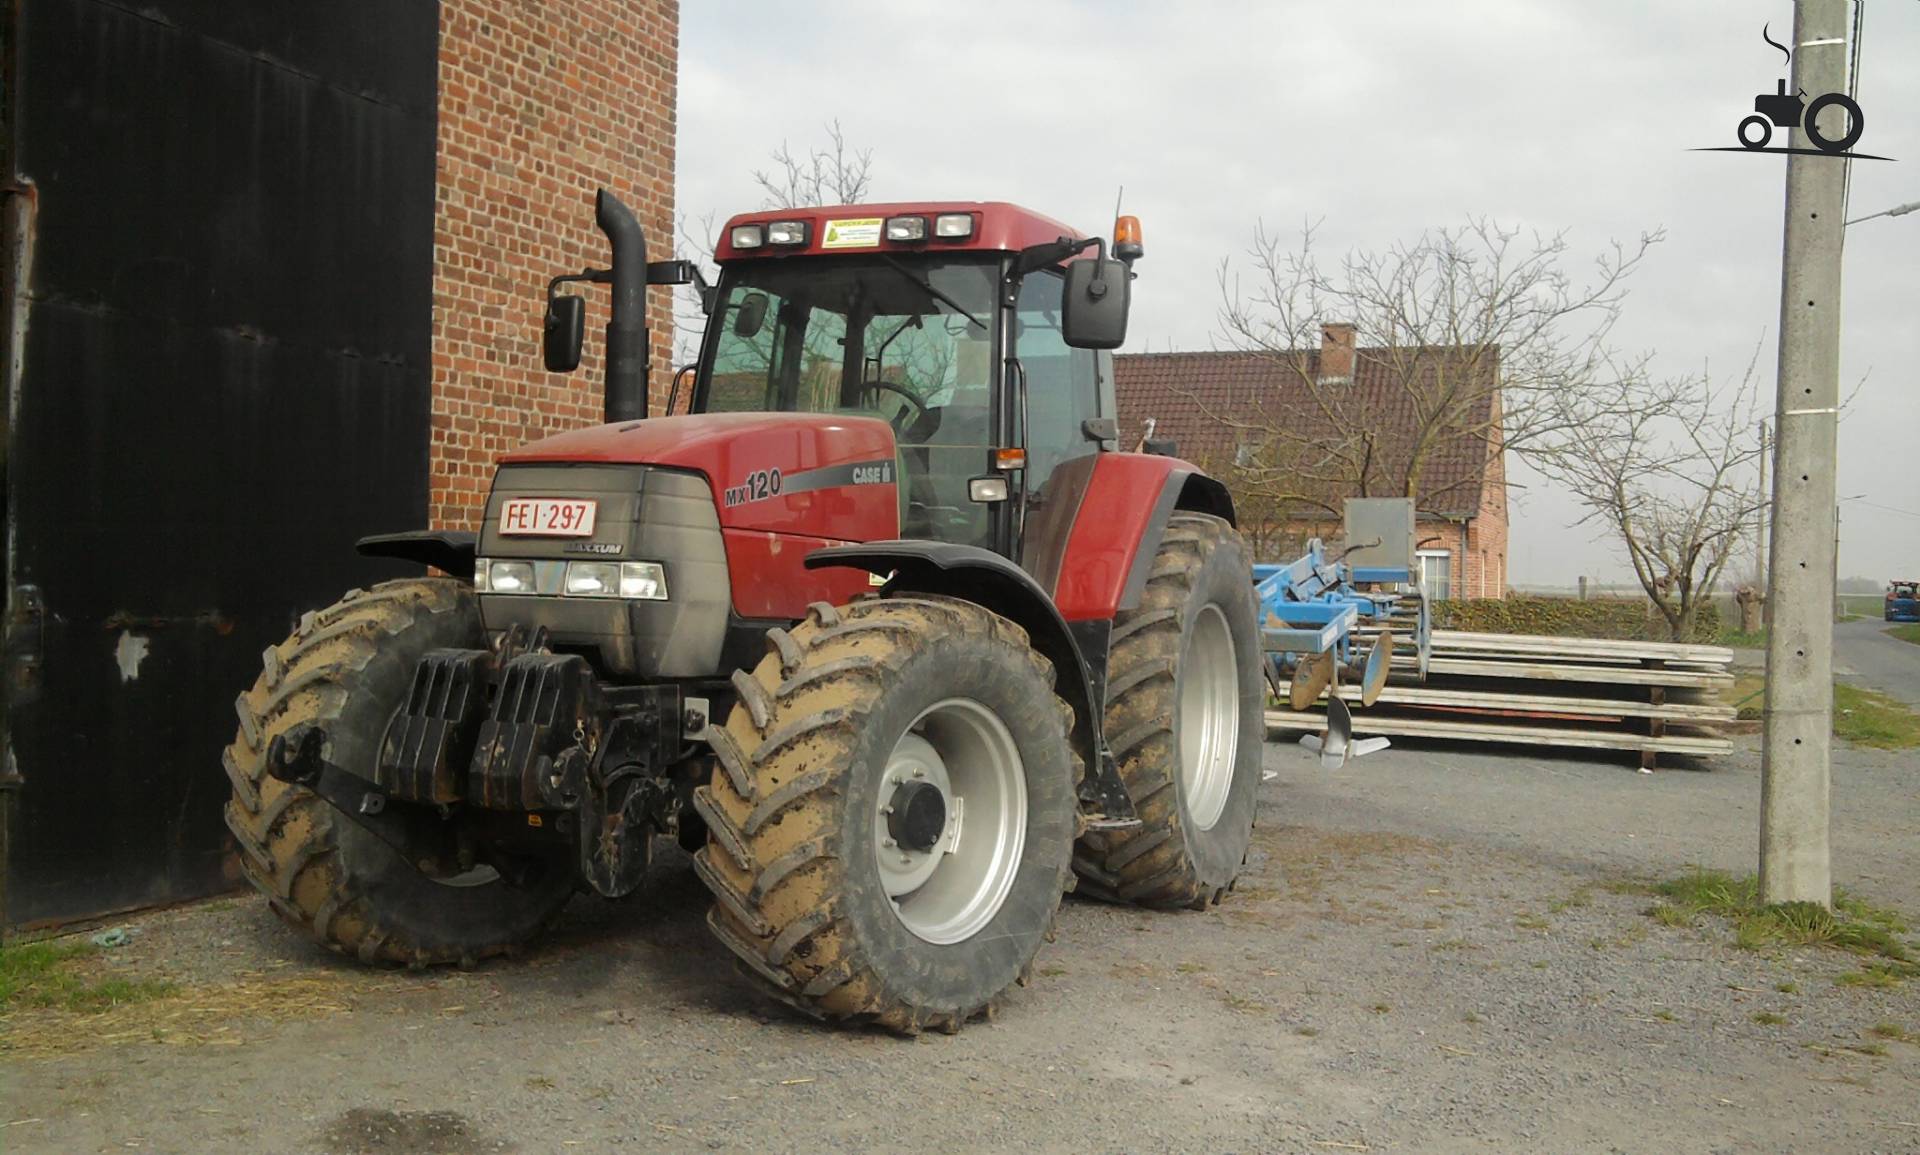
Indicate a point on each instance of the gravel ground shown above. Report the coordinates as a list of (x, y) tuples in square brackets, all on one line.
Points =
[(1434, 951)]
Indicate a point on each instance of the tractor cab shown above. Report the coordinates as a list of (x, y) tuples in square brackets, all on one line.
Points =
[(947, 322)]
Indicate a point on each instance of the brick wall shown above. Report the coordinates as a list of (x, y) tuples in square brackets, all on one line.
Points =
[(1488, 539), (541, 102)]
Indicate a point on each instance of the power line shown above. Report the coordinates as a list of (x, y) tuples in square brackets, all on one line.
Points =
[(1889, 508)]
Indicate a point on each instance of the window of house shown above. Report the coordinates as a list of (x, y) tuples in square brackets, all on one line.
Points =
[(1436, 573)]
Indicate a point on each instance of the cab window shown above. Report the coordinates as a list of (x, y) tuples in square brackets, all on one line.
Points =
[(909, 342), (1063, 383)]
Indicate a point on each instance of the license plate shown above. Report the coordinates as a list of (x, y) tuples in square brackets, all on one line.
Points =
[(547, 517)]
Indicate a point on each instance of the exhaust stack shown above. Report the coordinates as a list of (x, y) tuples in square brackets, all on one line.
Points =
[(629, 346)]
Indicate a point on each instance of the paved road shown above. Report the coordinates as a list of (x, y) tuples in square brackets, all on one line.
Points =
[(1864, 652)]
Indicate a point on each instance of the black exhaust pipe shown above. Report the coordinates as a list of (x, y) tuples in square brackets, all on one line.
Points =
[(629, 346)]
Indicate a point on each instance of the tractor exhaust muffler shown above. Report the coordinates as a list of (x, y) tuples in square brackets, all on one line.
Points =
[(629, 348)]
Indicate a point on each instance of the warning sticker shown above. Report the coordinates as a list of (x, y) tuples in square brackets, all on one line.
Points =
[(861, 233)]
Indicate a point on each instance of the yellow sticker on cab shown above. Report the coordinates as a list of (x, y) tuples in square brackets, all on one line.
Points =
[(858, 233)]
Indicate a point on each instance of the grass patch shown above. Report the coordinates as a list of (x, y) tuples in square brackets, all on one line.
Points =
[(1580, 897), (1873, 719), (1865, 717), (1667, 914), (1853, 924), (1891, 1031), (1907, 633), (1787, 988), (1748, 696), (36, 974), (1666, 1016), (1306, 1032), (1380, 1008), (1877, 976), (1769, 1018), (1739, 639)]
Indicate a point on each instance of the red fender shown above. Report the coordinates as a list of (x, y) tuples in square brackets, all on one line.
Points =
[(1123, 511)]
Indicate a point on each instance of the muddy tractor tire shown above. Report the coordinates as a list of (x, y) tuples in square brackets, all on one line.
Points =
[(892, 816), (1185, 696), (347, 670)]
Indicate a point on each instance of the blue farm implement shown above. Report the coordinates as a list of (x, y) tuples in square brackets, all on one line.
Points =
[(1316, 612)]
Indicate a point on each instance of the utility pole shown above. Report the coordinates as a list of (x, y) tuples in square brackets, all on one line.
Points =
[(1766, 511), (1795, 855)]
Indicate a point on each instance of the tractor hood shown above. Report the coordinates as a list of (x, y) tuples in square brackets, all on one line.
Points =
[(711, 442), (820, 475)]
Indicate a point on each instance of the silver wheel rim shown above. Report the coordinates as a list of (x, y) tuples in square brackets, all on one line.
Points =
[(948, 892), (1209, 717)]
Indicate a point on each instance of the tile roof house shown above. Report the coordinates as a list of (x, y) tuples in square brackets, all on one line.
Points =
[(1293, 432)]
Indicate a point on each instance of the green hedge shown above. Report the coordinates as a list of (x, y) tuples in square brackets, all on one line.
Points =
[(1627, 618)]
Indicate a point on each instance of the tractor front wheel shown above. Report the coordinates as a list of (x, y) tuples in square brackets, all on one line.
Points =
[(1184, 721), (891, 821), (347, 669)]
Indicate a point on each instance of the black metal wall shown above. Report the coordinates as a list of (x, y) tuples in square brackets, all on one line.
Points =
[(224, 342)]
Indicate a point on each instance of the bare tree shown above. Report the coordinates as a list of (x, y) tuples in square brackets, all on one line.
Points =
[(1467, 335), (829, 174), (833, 172), (1671, 468)]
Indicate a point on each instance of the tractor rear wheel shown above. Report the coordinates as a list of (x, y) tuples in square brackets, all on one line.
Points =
[(1184, 721), (891, 821), (347, 670)]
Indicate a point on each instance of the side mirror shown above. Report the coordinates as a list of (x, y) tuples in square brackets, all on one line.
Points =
[(749, 315), (1093, 308), (1160, 447), (563, 332)]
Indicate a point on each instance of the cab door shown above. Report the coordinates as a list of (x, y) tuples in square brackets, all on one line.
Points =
[(1068, 392)]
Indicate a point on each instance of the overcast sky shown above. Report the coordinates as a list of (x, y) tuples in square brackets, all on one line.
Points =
[(1378, 120)]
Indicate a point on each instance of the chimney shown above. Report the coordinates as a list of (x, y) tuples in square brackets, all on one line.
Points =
[(1336, 353)]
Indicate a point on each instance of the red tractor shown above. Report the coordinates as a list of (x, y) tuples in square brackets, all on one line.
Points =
[(886, 630)]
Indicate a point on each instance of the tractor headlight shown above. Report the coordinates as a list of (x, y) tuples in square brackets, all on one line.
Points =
[(592, 579), (503, 577), (787, 233), (906, 228), (748, 236), (953, 225), (642, 580)]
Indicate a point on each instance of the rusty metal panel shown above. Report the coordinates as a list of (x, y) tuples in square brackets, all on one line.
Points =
[(221, 357)]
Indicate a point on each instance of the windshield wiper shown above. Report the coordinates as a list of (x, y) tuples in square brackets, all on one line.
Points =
[(936, 294)]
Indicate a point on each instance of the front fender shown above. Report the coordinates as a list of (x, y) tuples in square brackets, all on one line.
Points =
[(1116, 530), (450, 551)]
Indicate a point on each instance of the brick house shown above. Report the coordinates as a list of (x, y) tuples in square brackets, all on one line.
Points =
[(539, 105), (1222, 409)]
